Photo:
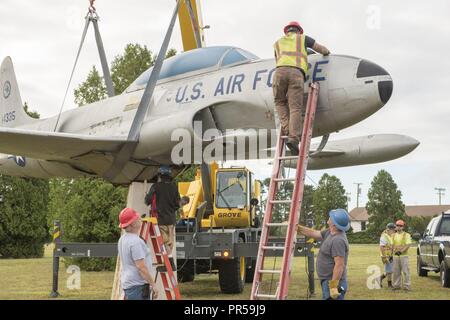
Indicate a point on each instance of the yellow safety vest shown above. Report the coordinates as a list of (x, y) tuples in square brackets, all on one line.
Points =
[(389, 244), (402, 239), (290, 51)]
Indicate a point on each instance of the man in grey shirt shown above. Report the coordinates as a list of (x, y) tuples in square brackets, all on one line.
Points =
[(135, 258), (333, 254)]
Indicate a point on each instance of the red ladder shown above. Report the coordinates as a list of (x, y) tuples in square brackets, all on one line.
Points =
[(294, 212), (151, 230)]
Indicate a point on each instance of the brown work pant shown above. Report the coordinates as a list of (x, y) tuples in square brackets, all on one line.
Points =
[(168, 237), (288, 86), (401, 267)]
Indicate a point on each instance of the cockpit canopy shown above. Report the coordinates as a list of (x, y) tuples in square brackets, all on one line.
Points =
[(196, 61)]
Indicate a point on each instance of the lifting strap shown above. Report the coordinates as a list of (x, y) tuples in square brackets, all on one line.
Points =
[(127, 150), (93, 17)]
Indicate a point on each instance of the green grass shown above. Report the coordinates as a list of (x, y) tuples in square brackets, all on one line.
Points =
[(32, 279)]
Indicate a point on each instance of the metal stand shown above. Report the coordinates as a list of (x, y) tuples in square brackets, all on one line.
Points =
[(311, 284), (56, 240)]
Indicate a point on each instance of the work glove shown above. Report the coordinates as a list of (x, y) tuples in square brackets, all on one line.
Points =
[(391, 259), (398, 253), (334, 292), (384, 259), (155, 294)]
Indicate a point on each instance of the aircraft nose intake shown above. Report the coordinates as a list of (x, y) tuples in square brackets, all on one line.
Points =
[(385, 89)]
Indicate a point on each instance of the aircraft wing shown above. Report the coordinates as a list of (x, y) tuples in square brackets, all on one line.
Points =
[(54, 145)]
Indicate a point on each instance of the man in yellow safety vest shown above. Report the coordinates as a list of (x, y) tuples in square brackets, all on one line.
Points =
[(402, 242), (386, 246), (288, 84)]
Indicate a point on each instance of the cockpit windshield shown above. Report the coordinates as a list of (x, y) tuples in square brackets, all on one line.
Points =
[(198, 60)]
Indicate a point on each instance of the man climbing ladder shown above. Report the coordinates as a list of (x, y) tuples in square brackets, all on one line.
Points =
[(288, 85)]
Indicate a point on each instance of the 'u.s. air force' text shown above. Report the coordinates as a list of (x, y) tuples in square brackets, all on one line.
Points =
[(234, 83)]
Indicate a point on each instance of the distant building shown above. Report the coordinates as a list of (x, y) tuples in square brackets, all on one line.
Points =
[(359, 218)]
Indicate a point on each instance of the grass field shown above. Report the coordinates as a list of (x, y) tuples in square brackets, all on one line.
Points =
[(32, 278)]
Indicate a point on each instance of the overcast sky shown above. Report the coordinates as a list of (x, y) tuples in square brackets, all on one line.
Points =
[(410, 39)]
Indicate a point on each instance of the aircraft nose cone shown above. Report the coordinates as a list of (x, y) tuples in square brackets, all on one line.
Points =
[(368, 69), (385, 90)]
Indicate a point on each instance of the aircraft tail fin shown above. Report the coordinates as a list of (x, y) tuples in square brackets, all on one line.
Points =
[(11, 108)]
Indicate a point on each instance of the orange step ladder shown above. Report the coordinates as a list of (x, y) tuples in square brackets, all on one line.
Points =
[(150, 231), (281, 290)]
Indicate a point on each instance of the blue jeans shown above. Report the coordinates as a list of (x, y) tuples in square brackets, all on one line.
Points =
[(326, 289), (135, 293)]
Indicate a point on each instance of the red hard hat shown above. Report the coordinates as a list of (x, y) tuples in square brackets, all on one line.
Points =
[(293, 24), (400, 222), (127, 216)]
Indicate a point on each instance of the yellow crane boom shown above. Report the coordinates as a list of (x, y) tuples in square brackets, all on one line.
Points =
[(191, 25)]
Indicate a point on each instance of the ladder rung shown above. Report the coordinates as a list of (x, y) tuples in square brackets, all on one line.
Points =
[(280, 201), (267, 296), (288, 158), (284, 137), (273, 248), (277, 224), (284, 179), (270, 271)]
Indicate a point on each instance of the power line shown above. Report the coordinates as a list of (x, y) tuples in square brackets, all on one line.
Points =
[(312, 180)]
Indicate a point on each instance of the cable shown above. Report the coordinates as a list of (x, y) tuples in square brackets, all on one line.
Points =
[(312, 180), (83, 36)]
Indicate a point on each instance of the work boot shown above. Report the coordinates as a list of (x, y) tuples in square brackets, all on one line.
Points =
[(390, 285), (292, 144), (172, 264)]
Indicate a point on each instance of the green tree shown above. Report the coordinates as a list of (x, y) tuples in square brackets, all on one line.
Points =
[(281, 211), (91, 90), (125, 68), (88, 210), (306, 212), (385, 204), (23, 217), (23, 214), (33, 114), (417, 224), (329, 195), (131, 64), (188, 174)]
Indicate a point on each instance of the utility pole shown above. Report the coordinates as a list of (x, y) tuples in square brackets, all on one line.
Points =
[(440, 193), (358, 192)]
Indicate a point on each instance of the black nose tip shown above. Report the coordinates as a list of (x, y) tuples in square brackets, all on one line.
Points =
[(385, 89)]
